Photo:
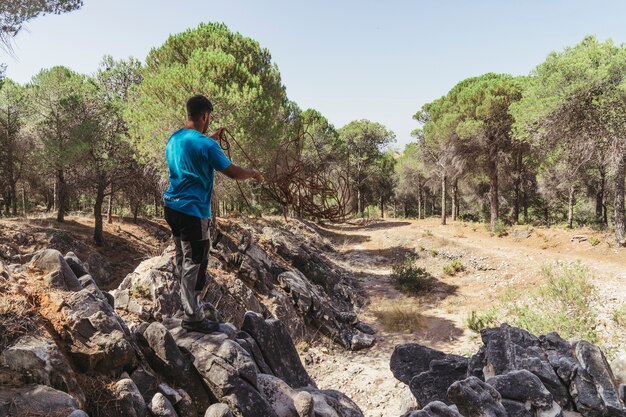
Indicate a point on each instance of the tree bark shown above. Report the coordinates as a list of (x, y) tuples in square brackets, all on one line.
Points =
[(98, 236), (600, 198), (382, 208), (443, 199), (419, 202), (110, 208), (570, 207), (61, 196), (620, 175), (455, 199), (493, 186)]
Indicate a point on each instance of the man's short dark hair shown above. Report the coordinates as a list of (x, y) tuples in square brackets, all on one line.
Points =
[(197, 106)]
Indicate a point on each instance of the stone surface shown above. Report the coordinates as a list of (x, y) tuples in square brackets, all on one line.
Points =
[(432, 385), (361, 341), (412, 359), (522, 386), (475, 398), (161, 407), (278, 349), (36, 400), (60, 275), (218, 410), (130, 402), (40, 361)]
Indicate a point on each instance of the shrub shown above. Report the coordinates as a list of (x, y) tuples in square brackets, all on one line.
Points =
[(411, 278), (476, 322), (453, 267), (594, 241), (139, 291), (500, 229), (619, 315)]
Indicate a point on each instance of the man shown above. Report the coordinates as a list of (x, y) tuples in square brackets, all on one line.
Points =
[(193, 158)]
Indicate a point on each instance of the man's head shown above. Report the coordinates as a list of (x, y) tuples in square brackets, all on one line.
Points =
[(199, 109)]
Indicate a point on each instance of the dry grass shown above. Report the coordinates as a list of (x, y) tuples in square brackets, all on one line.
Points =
[(399, 316), (17, 316), (98, 391)]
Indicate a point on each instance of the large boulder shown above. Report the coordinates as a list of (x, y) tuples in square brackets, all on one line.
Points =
[(432, 385), (475, 398), (411, 359), (59, 274), (40, 361), (35, 400), (278, 349)]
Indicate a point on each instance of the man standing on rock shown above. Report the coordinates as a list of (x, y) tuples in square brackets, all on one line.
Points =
[(192, 159)]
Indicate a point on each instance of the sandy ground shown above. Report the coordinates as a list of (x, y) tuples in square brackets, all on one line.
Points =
[(492, 265)]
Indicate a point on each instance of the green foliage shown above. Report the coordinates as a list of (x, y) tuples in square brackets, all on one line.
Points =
[(479, 321), (139, 291), (411, 278), (595, 241), (560, 305), (500, 229), (453, 267), (619, 315)]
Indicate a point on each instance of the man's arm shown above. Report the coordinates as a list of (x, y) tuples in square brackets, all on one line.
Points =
[(240, 173)]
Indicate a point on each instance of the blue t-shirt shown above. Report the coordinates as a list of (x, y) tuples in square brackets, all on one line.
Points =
[(192, 159)]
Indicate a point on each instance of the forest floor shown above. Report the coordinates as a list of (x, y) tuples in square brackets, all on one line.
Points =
[(492, 264)]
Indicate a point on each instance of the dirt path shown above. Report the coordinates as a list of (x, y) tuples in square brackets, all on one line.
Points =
[(492, 265)]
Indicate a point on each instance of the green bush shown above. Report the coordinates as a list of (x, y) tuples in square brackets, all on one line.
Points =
[(139, 291), (500, 229), (594, 241), (619, 315), (476, 322), (453, 267), (560, 305), (411, 278)]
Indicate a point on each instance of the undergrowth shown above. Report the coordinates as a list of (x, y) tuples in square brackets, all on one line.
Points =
[(394, 316), (453, 267), (411, 278), (17, 317), (561, 304)]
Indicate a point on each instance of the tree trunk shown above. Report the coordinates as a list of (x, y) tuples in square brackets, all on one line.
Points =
[(24, 201), (493, 186), (620, 175), (570, 207), (382, 208), (359, 205), (419, 203), (61, 196), (110, 208), (525, 203), (600, 197), (443, 199), (98, 236), (455, 199), (135, 213)]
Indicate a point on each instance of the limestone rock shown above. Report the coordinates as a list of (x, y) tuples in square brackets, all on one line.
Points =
[(161, 407), (34, 400), (60, 275), (129, 403), (218, 410), (475, 398)]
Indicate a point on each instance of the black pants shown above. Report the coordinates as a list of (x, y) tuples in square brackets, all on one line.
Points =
[(192, 240)]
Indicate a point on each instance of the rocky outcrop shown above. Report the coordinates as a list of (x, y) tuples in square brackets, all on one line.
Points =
[(86, 360), (513, 374), (263, 268)]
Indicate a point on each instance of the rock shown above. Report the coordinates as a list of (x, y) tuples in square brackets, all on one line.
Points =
[(475, 398), (170, 393), (522, 386), (592, 360), (35, 400), (365, 328), (185, 407), (99, 335), (165, 356), (279, 395), (432, 385), (585, 394), (477, 363), (516, 409), (129, 402), (435, 409), (146, 383), (161, 407), (40, 361), (618, 365), (278, 349), (250, 345), (75, 264), (60, 275), (218, 410), (501, 346), (411, 359), (100, 269), (361, 341), (304, 405), (78, 413)]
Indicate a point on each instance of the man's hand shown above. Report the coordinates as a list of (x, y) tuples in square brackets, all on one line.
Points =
[(219, 133), (258, 177)]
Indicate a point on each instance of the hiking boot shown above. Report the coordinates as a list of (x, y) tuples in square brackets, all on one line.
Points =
[(202, 326)]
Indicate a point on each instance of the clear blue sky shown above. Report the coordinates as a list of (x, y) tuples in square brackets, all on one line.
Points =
[(349, 59)]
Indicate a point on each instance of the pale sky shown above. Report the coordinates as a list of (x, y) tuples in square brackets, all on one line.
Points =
[(349, 59)]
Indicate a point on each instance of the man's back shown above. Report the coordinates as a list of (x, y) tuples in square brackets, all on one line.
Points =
[(192, 159)]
